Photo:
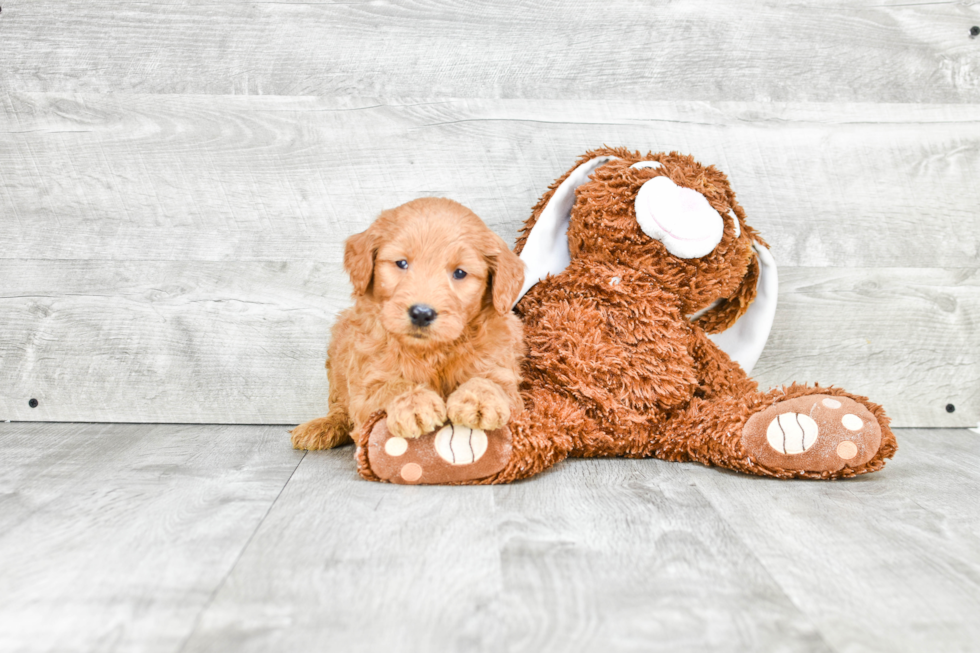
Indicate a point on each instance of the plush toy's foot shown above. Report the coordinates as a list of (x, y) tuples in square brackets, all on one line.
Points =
[(450, 454), (813, 433)]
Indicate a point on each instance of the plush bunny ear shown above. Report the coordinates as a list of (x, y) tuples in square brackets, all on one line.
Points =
[(546, 248), (744, 340)]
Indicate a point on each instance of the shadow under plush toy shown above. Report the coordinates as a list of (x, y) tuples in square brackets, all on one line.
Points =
[(647, 301)]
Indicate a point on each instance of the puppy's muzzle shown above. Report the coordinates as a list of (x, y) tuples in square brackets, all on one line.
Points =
[(422, 315)]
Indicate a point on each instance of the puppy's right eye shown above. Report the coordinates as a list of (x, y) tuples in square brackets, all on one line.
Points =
[(403, 264)]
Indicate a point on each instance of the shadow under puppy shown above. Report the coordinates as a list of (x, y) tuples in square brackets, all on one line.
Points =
[(431, 335)]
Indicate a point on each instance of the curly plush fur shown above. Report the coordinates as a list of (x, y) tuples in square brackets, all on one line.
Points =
[(615, 367)]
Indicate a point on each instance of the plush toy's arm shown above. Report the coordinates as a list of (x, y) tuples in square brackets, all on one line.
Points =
[(715, 373)]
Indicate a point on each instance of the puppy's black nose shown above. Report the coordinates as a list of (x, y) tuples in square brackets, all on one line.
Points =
[(422, 315)]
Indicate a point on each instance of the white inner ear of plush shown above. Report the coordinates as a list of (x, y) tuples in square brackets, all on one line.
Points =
[(646, 164), (744, 340), (680, 218), (546, 248), (738, 227)]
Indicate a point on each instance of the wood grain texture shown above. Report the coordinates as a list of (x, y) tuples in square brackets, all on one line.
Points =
[(342, 564), (600, 555), (748, 50), (203, 178), (161, 341), (222, 538), (244, 342), (616, 555), (887, 562), (114, 537), (905, 338)]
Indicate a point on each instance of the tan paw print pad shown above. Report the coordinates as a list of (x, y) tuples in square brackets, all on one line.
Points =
[(815, 433), (450, 454)]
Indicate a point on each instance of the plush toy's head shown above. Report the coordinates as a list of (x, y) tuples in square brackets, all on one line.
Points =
[(662, 214)]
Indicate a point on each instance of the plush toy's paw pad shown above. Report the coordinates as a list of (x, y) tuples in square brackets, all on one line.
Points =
[(814, 433), (451, 454)]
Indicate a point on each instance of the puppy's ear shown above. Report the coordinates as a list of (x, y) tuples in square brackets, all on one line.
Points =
[(506, 276), (359, 253)]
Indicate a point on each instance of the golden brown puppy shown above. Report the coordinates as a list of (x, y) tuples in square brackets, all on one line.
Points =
[(431, 334)]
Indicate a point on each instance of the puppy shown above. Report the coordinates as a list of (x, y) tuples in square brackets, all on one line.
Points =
[(431, 334)]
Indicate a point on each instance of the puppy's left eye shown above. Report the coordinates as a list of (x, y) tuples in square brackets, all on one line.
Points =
[(403, 264), (459, 274)]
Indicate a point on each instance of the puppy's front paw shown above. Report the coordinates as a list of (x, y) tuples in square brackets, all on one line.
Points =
[(415, 413), (479, 404)]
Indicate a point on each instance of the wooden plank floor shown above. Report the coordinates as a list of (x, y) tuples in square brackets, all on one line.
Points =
[(221, 538)]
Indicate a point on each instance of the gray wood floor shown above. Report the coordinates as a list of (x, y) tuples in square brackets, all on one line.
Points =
[(222, 538)]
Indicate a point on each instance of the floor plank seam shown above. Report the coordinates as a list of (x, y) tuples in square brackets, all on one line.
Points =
[(762, 565), (248, 542)]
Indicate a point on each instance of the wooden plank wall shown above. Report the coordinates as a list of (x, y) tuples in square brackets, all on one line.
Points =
[(177, 178)]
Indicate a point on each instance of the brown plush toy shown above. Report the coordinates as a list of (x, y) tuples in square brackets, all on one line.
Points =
[(640, 330)]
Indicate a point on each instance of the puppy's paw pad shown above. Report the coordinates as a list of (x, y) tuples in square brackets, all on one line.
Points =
[(816, 433)]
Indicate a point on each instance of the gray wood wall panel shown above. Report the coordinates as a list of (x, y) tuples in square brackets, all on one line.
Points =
[(750, 50), (244, 342), (906, 338), (170, 250), (162, 341), (205, 178)]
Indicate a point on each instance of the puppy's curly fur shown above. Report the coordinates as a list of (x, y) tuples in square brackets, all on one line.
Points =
[(464, 365)]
